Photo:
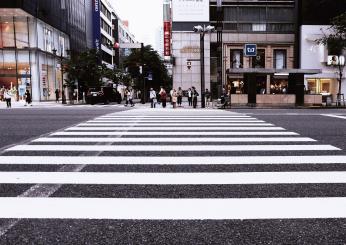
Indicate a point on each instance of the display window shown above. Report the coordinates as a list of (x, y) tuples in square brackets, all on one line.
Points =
[(279, 86), (320, 86)]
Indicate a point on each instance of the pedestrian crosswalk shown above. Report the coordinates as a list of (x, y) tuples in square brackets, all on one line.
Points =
[(205, 150)]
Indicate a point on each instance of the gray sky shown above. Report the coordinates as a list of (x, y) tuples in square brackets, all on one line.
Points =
[(144, 16)]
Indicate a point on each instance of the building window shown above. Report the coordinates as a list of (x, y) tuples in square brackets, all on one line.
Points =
[(22, 36), (7, 33), (279, 85), (48, 39), (280, 59), (236, 58), (259, 60), (319, 86), (259, 27)]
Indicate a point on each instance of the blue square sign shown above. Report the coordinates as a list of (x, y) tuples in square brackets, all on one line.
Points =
[(250, 50)]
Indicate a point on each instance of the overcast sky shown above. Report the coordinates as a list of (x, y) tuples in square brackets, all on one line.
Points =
[(144, 16)]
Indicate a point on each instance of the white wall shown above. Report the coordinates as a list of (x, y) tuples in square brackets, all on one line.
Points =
[(314, 56), (182, 76)]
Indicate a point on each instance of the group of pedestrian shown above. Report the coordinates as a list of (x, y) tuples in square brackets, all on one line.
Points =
[(192, 96), (158, 98), (7, 94), (128, 95)]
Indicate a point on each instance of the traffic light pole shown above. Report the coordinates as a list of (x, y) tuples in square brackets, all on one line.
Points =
[(144, 94), (202, 70)]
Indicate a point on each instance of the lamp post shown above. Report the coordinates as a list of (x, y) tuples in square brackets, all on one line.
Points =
[(61, 57), (202, 30)]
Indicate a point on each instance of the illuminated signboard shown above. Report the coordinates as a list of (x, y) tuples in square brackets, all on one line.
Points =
[(190, 10)]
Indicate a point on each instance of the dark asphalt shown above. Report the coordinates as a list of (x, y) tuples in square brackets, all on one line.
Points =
[(308, 123)]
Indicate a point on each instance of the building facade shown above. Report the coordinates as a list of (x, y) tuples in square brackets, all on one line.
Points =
[(313, 55), (35, 37), (286, 62)]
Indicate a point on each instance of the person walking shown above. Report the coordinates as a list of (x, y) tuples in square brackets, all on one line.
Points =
[(207, 98), (174, 98), (57, 95), (163, 97), (28, 99), (152, 97), (189, 96), (194, 97), (126, 97), (8, 97), (130, 97), (180, 96)]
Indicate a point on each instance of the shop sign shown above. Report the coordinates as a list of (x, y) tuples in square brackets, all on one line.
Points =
[(250, 50), (190, 49), (96, 25), (167, 38), (190, 10), (334, 60)]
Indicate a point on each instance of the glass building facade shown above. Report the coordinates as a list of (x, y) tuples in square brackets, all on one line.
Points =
[(30, 32)]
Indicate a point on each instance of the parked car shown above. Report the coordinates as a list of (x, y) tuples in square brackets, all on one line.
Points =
[(94, 96)]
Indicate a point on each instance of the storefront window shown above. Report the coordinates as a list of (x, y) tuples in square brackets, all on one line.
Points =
[(279, 86), (280, 59), (259, 60), (8, 69), (236, 86), (237, 58), (261, 84), (7, 32), (319, 86), (22, 36)]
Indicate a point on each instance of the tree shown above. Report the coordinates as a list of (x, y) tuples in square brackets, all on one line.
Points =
[(153, 64), (336, 44), (86, 68)]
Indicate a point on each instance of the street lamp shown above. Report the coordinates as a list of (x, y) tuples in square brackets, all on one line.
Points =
[(61, 57), (202, 30)]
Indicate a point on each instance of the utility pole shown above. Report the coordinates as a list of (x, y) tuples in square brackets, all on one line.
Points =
[(219, 28)]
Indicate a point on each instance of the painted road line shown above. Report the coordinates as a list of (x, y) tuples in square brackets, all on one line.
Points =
[(182, 133), (172, 209), (190, 140), (335, 116), (124, 178), (172, 124), (176, 117), (165, 148), (158, 160), (172, 128), (175, 121)]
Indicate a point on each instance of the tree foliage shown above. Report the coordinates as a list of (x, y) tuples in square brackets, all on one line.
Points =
[(153, 64), (85, 68)]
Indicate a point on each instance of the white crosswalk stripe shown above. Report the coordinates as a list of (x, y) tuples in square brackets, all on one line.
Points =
[(181, 148)]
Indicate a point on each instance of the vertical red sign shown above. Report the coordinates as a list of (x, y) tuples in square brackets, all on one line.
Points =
[(167, 38)]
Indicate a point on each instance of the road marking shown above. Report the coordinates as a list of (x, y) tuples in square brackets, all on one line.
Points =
[(165, 148), (159, 160), (171, 128), (172, 209), (140, 140), (174, 124), (178, 120), (240, 178), (181, 133), (335, 116), (174, 117)]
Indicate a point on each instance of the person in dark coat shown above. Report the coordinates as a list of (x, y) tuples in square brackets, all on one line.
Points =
[(28, 99), (57, 95)]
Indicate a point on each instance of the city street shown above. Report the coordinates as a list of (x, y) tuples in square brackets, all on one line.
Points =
[(110, 175)]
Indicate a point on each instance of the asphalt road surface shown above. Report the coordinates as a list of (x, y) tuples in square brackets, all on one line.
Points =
[(152, 176)]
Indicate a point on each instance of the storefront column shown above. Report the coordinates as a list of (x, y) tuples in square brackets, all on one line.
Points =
[(296, 81), (268, 84), (250, 80)]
